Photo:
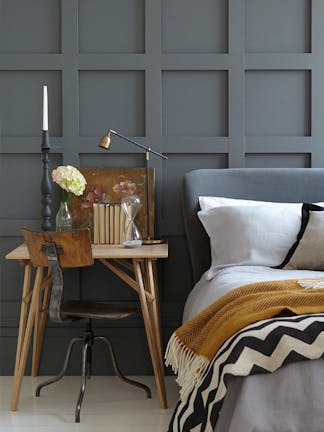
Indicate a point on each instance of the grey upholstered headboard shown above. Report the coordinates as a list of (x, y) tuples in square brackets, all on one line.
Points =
[(266, 184)]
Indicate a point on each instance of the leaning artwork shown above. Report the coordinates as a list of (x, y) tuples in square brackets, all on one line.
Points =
[(109, 185)]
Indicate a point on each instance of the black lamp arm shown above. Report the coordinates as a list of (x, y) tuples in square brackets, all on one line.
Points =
[(137, 144)]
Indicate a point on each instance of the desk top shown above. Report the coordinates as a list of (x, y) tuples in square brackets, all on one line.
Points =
[(102, 251)]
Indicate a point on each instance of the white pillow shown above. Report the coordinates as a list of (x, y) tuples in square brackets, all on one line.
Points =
[(250, 235), (308, 251), (207, 202)]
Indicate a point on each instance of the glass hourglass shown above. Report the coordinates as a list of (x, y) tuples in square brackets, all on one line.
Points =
[(131, 236)]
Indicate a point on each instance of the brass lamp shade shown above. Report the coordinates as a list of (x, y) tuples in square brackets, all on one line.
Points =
[(106, 140)]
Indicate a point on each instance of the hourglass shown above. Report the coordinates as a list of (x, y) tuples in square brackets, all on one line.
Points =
[(131, 236)]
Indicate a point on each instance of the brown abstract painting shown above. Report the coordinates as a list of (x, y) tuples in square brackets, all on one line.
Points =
[(109, 185)]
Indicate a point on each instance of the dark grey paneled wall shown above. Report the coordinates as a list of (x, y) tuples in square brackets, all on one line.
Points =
[(214, 84)]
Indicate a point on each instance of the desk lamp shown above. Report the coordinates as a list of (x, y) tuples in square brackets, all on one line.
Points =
[(105, 143)]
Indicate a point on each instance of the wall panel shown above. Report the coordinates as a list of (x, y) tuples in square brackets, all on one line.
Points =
[(194, 103), (112, 98), (213, 84), (277, 103), (32, 26), (194, 27), (278, 26), (21, 110), (111, 27), (278, 160)]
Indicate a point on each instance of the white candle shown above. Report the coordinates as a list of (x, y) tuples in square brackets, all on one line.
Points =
[(45, 109)]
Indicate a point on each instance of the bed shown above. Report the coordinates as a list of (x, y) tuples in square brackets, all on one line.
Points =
[(291, 398)]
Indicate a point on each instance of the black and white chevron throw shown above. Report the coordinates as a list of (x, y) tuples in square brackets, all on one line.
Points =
[(262, 347)]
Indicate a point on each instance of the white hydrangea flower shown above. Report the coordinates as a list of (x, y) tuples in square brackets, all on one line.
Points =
[(70, 179)]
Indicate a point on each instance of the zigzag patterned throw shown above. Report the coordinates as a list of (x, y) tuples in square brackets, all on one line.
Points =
[(262, 347), (237, 335)]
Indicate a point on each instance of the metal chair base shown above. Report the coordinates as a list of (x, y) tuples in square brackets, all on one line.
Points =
[(88, 340)]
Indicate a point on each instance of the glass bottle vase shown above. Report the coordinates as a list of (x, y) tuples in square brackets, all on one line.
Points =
[(63, 218)]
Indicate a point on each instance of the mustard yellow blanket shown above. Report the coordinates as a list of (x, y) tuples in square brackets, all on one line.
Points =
[(193, 345)]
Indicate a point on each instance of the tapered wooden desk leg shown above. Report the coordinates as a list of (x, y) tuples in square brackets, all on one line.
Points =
[(19, 373), (36, 347), (154, 311), (151, 336), (23, 313), (40, 324), (157, 296), (154, 307)]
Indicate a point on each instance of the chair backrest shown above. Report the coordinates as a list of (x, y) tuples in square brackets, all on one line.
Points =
[(73, 247), (58, 250)]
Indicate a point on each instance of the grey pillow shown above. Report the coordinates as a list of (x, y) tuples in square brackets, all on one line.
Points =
[(307, 253)]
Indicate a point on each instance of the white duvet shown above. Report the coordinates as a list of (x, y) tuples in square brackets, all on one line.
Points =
[(249, 404), (207, 291)]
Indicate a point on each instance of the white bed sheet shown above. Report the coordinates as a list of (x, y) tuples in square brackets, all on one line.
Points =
[(207, 291), (289, 400)]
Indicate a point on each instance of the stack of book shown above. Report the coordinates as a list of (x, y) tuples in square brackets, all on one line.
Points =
[(108, 223)]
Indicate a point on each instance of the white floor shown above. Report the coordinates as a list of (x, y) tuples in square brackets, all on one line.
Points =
[(109, 405)]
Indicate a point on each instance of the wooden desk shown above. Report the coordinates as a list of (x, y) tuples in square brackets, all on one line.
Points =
[(140, 274)]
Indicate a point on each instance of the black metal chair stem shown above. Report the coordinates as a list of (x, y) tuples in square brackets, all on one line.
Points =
[(86, 346)]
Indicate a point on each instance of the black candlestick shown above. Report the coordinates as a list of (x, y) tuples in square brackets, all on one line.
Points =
[(46, 185)]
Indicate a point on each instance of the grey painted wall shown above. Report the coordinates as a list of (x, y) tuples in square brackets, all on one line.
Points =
[(213, 84)]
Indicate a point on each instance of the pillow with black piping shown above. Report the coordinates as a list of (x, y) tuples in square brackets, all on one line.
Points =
[(307, 253)]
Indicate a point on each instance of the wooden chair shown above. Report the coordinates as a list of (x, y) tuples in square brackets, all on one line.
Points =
[(67, 250)]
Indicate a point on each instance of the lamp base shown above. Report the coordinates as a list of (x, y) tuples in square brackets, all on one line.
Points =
[(152, 241)]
